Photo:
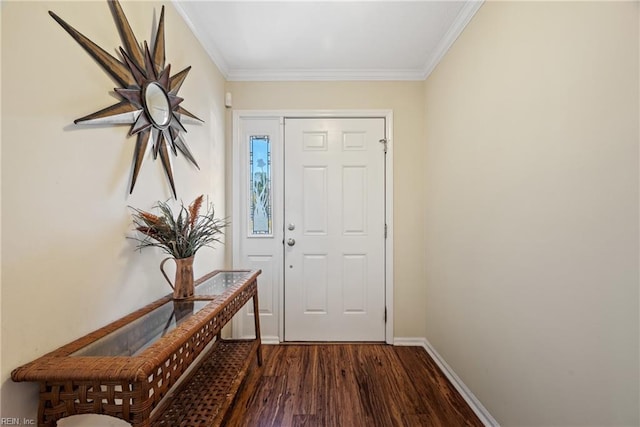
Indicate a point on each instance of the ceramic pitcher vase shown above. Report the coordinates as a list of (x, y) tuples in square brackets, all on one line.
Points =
[(183, 284)]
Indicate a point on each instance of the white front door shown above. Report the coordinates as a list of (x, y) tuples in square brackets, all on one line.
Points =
[(334, 229)]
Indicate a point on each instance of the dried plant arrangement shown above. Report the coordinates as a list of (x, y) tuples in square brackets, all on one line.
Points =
[(180, 236)]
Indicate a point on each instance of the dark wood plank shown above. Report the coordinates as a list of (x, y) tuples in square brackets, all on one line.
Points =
[(385, 388), (337, 365), (335, 385), (438, 392)]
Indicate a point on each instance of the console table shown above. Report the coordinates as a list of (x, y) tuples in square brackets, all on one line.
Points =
[(126, 368)]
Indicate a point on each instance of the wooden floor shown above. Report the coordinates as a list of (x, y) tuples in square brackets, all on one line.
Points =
[(348, 385)]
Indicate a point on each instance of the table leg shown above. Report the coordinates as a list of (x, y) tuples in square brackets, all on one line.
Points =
[(256, 317)]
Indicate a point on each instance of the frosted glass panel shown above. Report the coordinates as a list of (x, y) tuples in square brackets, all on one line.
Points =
[(260, 221)]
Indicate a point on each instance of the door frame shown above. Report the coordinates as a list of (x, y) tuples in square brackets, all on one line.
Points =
[(238, 115)]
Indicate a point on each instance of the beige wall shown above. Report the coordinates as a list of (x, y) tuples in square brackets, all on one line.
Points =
[(67, 267), (531, 169), (406, 99), (526, 193)]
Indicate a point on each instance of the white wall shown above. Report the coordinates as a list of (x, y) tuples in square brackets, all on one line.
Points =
[(67, 267), (531, 169)]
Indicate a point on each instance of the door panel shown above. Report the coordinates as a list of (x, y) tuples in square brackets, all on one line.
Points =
[(315, 200), (334, 215), (257, 226)]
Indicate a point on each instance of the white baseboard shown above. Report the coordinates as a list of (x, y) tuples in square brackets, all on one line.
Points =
[(464, 391), (265, 339), (270, 339)]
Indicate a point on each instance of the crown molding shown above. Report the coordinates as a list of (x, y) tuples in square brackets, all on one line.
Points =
[(457, 27), (213, 52), (323, 75)]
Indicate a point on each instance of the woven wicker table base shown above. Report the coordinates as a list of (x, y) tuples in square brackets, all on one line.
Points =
[(205, 396)]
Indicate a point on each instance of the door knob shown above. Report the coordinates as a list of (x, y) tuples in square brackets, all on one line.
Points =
[(291, 242)]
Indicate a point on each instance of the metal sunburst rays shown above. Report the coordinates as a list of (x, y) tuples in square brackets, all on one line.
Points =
[(150, 101)]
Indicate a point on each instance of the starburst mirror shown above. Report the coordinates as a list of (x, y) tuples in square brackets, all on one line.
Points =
[(149, 94)]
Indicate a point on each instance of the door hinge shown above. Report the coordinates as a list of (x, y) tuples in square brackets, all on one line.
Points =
[(385, 231), (385, 315), (384, 142)]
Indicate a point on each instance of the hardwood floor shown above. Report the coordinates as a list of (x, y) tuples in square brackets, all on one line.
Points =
[(348, 385)]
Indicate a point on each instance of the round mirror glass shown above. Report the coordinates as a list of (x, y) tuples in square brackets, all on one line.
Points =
[(157, 104)]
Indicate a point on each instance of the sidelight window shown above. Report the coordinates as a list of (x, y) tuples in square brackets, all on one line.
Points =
[(260, 220)]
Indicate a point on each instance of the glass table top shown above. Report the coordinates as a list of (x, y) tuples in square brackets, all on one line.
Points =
[(219, 283), (133, 338)]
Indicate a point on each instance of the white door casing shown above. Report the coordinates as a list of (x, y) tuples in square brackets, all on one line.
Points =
[(334, 229), (266, 252)]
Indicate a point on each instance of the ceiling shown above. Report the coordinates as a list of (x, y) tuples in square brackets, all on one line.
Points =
[(326, 40)]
